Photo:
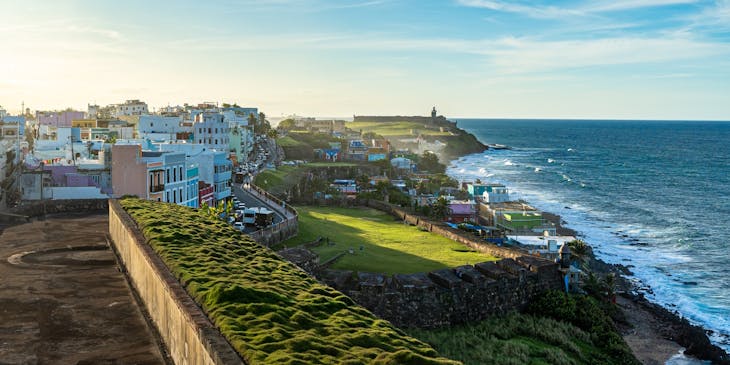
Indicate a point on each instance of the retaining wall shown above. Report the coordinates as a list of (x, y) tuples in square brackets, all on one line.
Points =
[(24, 212), (189, 335), (449, 296)]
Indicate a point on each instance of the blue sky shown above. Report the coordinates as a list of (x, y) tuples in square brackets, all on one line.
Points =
[(641, 59)]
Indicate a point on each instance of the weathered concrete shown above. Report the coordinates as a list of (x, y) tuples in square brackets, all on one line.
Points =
[(64, 301), (187, 332)]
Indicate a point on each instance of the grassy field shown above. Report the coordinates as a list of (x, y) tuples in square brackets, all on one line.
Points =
[(389, 246), (270, 311), (289, 142), (282, 175), (392, 129)]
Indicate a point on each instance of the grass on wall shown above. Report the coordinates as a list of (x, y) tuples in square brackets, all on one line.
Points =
[(518, 339), (388, 246), (270, 311)]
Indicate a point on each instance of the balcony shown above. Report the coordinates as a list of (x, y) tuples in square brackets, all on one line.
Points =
[(157, 188)]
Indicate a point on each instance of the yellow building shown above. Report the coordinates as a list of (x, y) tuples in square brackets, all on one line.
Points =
[(84, 123)]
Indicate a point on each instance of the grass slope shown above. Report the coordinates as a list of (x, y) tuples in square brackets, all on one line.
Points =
[(516, 339), (396, 129), (389, 246), (271, 312)]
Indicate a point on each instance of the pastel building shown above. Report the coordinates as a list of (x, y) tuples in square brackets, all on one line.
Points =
[(58, 119), (130, 107), (192, 192), (211, 130), (240, 133), (160, 128), (462, 211), (490, 193), (214, 167), (153, 175), (496, 193)]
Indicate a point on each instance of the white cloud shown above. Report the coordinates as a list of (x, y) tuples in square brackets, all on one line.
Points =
[(528, 10), (620, 5), (554, 12), (524, 56)]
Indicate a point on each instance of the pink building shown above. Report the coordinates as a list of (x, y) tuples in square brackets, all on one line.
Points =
[(58, 119), (129, 172)]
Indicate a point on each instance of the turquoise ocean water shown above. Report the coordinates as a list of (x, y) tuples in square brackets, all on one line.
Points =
[(651, 195)]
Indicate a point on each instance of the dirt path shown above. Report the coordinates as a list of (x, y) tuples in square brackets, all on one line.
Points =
[(63, 299)]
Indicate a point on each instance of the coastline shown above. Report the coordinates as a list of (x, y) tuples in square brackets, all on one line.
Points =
[(655, 334)]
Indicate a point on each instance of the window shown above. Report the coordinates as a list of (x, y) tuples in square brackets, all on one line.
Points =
[(181, 170), (174, 196), (168, 176), (167, 195)]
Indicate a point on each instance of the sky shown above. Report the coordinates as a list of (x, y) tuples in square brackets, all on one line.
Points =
[(620, 59)]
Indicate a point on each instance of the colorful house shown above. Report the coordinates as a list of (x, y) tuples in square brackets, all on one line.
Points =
[(462, 211)]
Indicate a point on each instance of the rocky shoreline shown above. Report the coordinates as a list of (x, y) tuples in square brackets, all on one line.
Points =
[(644, 324)]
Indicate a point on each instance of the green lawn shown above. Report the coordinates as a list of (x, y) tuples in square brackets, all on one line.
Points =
[(268, 179), (389, 246), (390, 129), (288, 142)]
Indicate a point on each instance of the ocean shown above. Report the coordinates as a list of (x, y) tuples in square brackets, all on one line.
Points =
[(651, 195)]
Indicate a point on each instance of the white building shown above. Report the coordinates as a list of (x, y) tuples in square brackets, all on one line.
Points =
[(160, 128), (130, 107), (211, 130), (496, 193)]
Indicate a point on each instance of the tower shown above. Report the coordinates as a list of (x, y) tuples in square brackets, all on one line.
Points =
[(564, 256), (433, 113)]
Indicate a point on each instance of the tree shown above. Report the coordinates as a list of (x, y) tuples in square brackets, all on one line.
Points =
[(363, 182), (462, 195), (29, 137), (272, 133), (440, 209), (286, 124), (429, 161), (262, 125)]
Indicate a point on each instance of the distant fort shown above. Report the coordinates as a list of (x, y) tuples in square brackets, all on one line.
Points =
[(433, 119)]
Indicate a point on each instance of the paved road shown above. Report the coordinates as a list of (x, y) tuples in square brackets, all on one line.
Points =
[(251, 201)]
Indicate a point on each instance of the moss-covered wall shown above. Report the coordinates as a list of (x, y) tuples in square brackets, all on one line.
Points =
[(270, 311)]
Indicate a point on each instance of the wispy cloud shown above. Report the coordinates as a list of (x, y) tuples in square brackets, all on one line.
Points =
[(621, 5), (528, 10), (552, 12), (509, 55)]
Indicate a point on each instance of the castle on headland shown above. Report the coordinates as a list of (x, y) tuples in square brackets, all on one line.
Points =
[(434, 119)]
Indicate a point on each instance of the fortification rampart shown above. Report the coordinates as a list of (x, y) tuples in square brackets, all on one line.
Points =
[(188, 334), (449, 296)]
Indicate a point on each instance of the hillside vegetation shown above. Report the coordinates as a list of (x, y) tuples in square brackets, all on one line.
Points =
[(458, 142), (268, 309), (557, 329)]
